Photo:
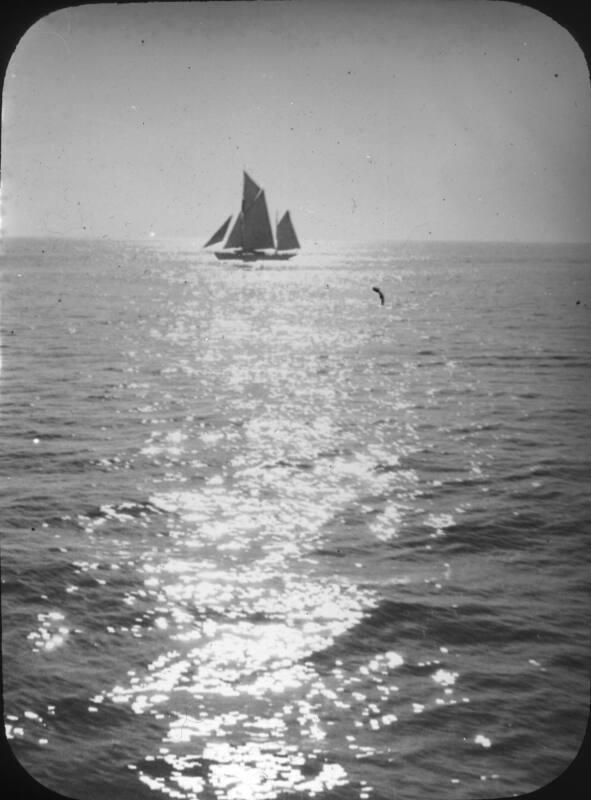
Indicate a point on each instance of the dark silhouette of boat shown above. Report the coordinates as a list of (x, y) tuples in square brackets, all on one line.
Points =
[(251, 237)]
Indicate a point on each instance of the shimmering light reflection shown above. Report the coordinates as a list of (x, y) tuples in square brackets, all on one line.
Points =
[(251, 770), (241, 615), (51, 634), (289, 739), (227, 656), (237, 608)]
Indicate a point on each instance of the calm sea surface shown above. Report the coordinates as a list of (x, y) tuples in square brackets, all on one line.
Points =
[(263, 537)]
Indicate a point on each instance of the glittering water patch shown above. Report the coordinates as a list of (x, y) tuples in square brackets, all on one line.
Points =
[(51, 633), (258, 771)]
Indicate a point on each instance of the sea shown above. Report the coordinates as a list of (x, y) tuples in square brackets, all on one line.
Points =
[(263, 537)]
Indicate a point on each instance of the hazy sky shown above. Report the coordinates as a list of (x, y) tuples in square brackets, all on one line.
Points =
[(399, 120)]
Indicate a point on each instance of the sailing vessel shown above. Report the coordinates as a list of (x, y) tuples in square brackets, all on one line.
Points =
[(251, 237)]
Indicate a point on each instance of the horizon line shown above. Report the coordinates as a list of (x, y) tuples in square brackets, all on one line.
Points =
[(197, 238)]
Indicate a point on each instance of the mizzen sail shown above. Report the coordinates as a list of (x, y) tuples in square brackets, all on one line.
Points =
[(286, 235)]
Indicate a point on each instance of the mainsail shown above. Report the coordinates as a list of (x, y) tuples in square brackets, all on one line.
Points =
[(252, 231), (236, 236), (257, 231)]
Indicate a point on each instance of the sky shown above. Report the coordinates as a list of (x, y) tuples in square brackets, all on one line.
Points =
[(419, 120)]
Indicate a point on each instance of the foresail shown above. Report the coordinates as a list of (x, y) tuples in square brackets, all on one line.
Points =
[(219, 234), (286, 235), (257, 225)]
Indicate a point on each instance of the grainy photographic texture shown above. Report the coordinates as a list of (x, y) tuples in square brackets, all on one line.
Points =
[(303, 528)]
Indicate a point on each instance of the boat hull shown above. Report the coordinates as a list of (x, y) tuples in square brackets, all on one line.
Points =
[(222, 255)]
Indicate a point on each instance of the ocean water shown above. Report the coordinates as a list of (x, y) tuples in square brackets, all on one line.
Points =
[(263, 537)]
